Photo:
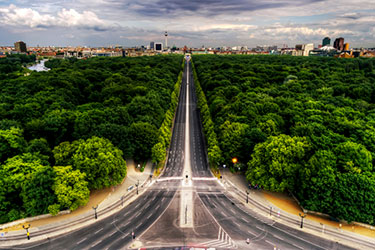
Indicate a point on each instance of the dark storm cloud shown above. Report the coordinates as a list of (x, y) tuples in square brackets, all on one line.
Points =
[(161, 8)]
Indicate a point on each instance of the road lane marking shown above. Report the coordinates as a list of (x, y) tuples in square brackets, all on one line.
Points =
[(278, 237), (297, 246), (238, 225), (270, 243), (96, 243), (251, 233), (81, 241), (98, 230), (112, 234)]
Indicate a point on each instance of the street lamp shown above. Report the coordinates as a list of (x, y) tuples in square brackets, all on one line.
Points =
[(247, 196), (27, 230), (270, 210), (96, 215), (137, 186), (224, 166), (122, 200), (302, 217)]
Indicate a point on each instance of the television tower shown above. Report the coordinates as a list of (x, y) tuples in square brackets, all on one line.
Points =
[(166, 39)]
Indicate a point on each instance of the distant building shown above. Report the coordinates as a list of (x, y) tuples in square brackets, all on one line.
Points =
[(346, 46), (158, 47), (152, 45), (20, 47), (339, 44), (326, 41), (303, 49), (324, 51)]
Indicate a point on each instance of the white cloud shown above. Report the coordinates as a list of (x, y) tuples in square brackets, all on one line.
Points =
[(71, 18), (225, 26), (24, 16), (14, 16), (306, 31)]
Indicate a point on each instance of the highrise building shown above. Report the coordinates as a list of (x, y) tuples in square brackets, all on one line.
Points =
[(152, 45), (339, 44), (326, 41), (158, 47), (20, 46)]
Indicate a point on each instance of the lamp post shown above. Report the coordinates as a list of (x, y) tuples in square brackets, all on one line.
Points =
[(137, 186), (224, 166), (247, 196), (270, 210), (122, 200), (27, 230), (96, 215), (302, 217)]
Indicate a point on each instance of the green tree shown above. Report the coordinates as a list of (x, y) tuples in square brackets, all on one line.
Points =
[(11, 143), (70, 188), (143, 136), (353, 158), (158, 152), (276, 162), (100, 161), (37, 193)]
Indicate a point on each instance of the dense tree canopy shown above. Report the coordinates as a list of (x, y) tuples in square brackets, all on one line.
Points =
[(301, 124), (68, 130)]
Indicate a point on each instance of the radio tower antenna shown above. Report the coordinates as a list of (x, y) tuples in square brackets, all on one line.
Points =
[(166, 39)]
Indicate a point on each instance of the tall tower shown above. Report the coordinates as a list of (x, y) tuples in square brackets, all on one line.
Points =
[(166, 39)]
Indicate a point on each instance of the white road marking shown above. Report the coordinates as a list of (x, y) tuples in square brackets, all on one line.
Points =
[(270, 243), (251, 233), (81, 241), (297, 246), (112, 234), (96, 243), (98, 230), (278, 237)]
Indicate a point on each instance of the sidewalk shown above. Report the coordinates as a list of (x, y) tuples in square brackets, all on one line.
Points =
[(103, 198), (282, 206)]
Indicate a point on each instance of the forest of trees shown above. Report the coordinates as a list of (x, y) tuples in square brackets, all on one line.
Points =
[(67, 131), (305, 125)]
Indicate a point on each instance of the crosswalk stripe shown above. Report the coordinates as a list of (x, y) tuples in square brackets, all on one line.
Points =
[(223, 241)]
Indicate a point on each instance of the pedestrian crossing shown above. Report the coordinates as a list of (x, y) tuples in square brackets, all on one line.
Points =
[(223, 241)]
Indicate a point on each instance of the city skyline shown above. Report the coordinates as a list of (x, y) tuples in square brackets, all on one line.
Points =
[(193, 23)]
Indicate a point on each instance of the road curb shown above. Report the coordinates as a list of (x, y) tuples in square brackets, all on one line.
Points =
[(80, 222), (329, 233)]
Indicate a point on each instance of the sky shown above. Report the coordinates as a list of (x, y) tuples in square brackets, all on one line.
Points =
[(195, 23)]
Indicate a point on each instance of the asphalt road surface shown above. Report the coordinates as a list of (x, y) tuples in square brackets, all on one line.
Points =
[(220, 221)]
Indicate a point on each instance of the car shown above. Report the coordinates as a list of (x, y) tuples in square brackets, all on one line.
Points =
[(130, 188)]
